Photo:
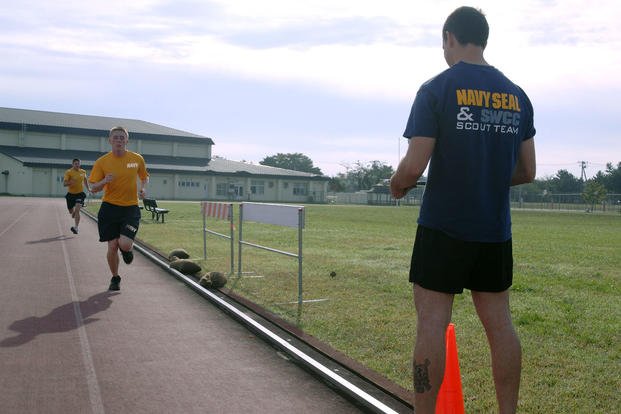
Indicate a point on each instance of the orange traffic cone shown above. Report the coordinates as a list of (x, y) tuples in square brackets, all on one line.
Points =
[(450, 398)]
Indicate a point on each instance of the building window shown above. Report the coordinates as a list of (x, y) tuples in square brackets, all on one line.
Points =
[(221, 189), (257, 187), (300, 189), (190, 184)]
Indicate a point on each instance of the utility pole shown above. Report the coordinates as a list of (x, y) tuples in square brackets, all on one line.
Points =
[(583, 165)]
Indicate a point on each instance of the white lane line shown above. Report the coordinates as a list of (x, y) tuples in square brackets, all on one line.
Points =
[(327, 372), (91, 377), (15, 222)]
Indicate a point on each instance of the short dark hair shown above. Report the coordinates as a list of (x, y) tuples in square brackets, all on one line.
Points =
[(74, 160), (469, 25)]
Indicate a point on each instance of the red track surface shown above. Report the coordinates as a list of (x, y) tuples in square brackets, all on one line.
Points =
[(67, 345)]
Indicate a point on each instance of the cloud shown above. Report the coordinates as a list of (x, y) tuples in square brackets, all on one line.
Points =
[(370, 50), (334, 78), (348, 31)]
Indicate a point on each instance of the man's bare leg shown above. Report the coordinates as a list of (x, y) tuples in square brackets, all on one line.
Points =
[(113, 256), (433, 310), (125, 243), (493, 310), (76, 215)]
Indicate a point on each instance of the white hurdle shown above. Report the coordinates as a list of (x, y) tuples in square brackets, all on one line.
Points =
[(277, 214), (222, 211)]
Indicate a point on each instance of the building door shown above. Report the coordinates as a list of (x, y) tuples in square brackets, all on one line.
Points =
[(41, 182), (238, 191), (161, 187)]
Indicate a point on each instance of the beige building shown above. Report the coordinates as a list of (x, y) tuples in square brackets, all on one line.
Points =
[(36, 148)]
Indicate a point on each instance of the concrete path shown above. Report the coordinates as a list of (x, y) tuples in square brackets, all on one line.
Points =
[(67, 345)]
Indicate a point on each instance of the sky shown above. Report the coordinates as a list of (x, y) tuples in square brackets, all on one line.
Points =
[(331, 79)]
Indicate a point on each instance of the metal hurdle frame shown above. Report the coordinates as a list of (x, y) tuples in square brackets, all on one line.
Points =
[(218, 208), (277, 214)]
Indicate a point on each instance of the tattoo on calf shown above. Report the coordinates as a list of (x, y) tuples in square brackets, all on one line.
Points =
[(421, 377)]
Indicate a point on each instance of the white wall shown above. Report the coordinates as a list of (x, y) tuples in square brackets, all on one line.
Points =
[(39, 140), (192, 150), (19, 180), (191, 187), (9, 138), (81, 143), (156, 147)]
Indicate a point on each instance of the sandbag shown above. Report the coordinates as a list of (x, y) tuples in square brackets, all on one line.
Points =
[(179, 253), (213, 280), (185, 266)]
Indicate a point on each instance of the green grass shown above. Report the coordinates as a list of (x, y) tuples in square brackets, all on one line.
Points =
[(566, 298)]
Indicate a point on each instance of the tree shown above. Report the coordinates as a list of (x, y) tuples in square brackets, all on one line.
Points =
[(530, 192), (338, 183), (565, 182), (611, 179), (594, 193), (362, 176), (291, 161)]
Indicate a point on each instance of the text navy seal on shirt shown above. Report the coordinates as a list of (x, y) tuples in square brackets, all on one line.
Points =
[(499, 113)]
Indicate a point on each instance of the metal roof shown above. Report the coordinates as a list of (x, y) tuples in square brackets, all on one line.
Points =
[(222, 165), (86, 124), (56, 158)]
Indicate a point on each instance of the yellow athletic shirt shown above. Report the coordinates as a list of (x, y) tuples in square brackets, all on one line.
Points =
[(126, 170), (78, 176)]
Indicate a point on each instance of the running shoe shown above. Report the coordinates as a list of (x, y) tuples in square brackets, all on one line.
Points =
[(128, 257), (115, 283), (74, 230)]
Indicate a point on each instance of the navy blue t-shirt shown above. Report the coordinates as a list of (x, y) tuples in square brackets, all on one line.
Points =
[(478, 118)]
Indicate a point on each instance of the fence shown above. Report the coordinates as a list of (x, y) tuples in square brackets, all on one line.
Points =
[(276, 214), (413, 197), (222, 211), (550, 201)]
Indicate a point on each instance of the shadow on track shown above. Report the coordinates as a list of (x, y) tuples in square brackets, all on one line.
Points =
[(50, 239), (61, 319)]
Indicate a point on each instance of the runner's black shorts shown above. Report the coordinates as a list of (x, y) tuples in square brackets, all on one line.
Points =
[(114, 221), (445, 264), (73, 199)]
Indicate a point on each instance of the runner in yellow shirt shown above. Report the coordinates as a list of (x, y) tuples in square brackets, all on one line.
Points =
[(118, 173), (75, 179)]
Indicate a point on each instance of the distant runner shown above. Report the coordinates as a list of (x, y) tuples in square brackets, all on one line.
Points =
[(75, 179)]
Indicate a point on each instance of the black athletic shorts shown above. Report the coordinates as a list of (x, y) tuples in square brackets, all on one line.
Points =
[(445, 264), (114, 221), (73, 199)]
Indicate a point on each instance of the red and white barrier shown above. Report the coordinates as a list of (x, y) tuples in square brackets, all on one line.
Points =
[(216, 210), (222, 211)]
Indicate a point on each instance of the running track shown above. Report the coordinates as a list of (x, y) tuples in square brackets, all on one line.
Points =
[(67, 345)]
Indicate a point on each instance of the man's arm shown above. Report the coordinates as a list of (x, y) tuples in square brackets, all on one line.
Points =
[(97, 186), (67, 180), (144, 179), (88, 187), (98, 179), (143, 188), (526, 166), (412, 165)]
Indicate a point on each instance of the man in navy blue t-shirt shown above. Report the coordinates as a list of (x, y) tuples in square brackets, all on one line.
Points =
[(475, 129)]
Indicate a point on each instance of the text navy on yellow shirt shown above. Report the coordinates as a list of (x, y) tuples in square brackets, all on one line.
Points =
[(126, 170)]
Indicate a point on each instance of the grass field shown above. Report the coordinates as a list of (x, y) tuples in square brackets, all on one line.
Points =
[(566, 298)]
